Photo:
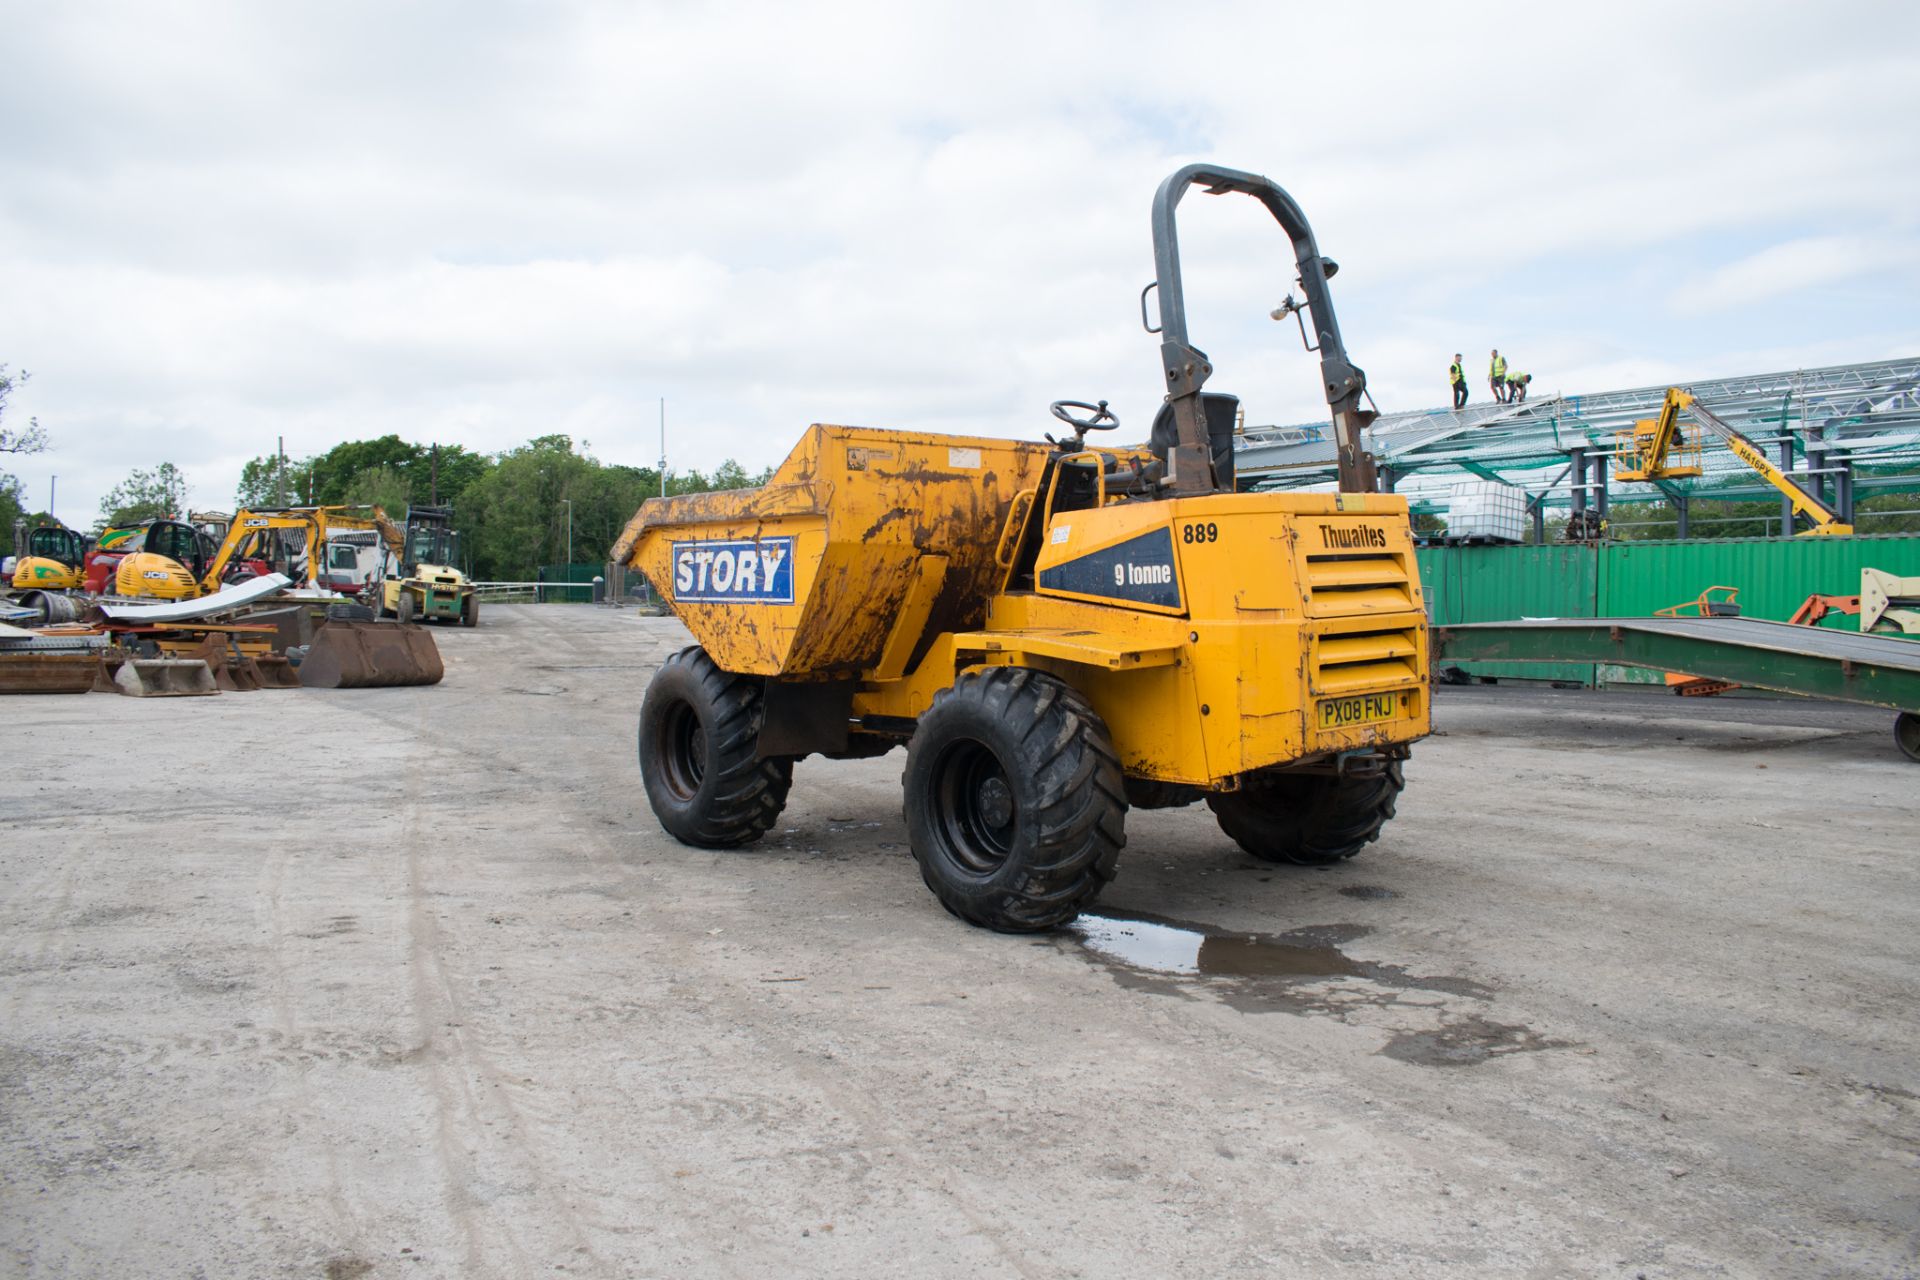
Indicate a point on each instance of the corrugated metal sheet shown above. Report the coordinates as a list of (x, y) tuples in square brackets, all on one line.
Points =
[(1498, 584)]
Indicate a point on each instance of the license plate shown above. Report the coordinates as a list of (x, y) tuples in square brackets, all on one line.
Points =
[(1365, 708)]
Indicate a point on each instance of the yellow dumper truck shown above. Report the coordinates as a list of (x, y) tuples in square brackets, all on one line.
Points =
[(1056, 632)]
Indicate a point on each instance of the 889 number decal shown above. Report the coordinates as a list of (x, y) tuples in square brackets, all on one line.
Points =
[(1208, 532)]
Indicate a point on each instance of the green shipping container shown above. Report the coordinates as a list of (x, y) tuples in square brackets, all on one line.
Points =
[(1774, 576), (1499, 584), (1638, 579)]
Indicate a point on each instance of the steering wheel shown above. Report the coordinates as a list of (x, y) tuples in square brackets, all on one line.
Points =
[(1103, 418)]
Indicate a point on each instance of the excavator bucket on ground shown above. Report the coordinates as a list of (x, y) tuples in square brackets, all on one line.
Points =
[(233, 671), (275, 672), (370, 655), (165, 678), (47, 672)]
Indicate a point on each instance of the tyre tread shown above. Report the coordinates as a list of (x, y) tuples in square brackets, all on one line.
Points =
[(1079, 817), (746, 794), (1310, 820)]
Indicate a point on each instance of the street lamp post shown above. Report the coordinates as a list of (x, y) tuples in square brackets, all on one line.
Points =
[(569, 502)]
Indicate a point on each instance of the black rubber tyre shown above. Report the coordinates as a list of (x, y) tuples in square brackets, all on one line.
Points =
[(1906, 734), (350, 613), (470, 612), (1016, 805), (699, 729), (1310, 820), (403, 608)]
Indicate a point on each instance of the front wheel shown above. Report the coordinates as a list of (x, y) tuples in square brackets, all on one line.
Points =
[(1015, 802), (699, 754), (1310, 819), (403, 608)]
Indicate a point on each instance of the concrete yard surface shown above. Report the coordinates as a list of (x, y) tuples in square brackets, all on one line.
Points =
[(409, 983)]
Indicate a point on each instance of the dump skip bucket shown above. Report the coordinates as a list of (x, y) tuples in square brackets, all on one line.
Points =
[(164, 678), (368, 655), (47, 672)]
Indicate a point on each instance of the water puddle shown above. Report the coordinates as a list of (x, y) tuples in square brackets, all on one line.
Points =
[(1157, 946), (1305, 971)]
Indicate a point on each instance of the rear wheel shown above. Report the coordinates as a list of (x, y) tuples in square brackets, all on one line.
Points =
[(1906, 733), (470, 612), (699, 758), (1015, 802), (1310, 820)]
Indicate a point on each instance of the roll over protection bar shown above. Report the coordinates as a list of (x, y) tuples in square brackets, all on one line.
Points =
[(1189, 465)]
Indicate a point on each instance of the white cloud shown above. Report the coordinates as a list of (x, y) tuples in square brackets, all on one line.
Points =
[(477, 223), (1803, 266)]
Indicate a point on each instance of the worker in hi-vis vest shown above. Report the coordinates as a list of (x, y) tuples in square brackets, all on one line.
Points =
[(1497, 376), (1517, 386), (1457, 375)]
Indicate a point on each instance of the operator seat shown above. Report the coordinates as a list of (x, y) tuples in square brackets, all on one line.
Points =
[(1222, 413)]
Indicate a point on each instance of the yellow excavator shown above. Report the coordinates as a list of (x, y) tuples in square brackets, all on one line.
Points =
[(50, 558), (1659, 448), (49, 570), (176, 561)]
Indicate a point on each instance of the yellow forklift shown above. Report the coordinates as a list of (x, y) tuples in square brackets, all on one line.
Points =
[(424, 582)]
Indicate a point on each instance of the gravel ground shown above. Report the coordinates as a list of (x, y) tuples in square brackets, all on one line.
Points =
[(409, 983)]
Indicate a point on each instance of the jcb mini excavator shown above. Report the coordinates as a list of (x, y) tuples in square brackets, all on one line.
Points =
[(1057, 632), (49, 562)]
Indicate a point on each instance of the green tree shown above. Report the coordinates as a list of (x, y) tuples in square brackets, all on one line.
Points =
[(379, 486), (27, 439), (445, 472), (515, 516), (145, 495), (30, 439), (262, 483), (13, 506), (335, 470)]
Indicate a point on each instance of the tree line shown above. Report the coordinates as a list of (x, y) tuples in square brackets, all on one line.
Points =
[(512, 508)]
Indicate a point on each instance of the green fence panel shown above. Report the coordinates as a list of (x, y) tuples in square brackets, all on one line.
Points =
[(1499, 584), (582, 573)]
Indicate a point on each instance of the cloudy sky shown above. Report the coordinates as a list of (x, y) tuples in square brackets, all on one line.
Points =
[(476, 223)]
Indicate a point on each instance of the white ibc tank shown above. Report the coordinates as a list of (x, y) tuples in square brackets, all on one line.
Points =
[(1486, 511)]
